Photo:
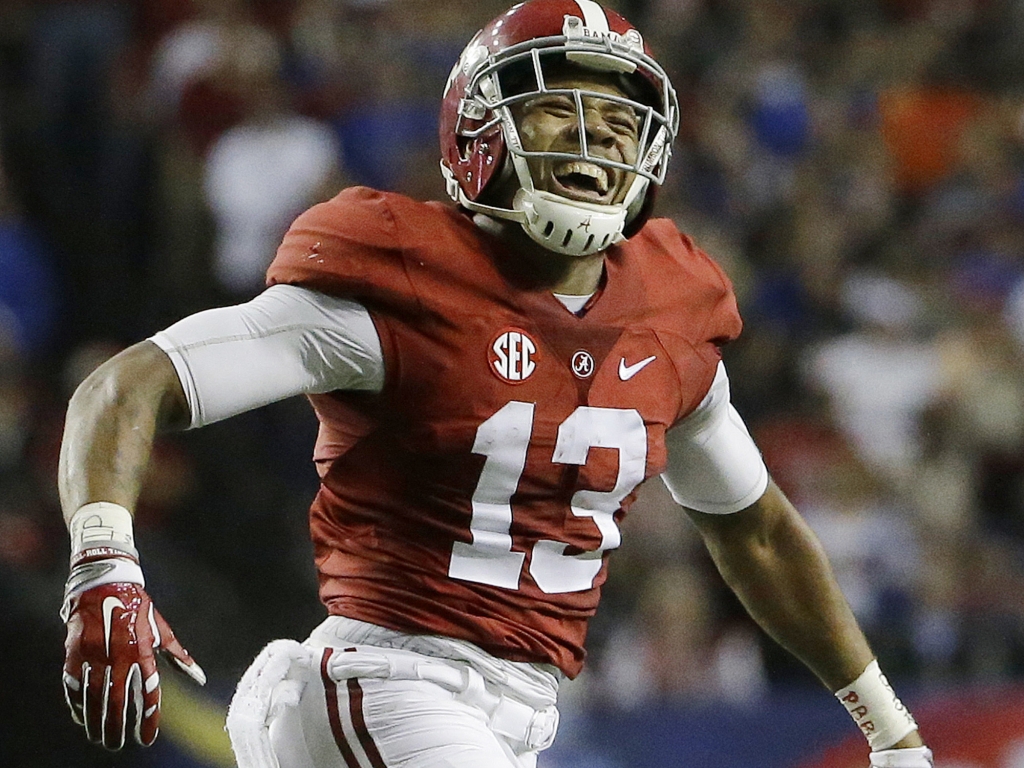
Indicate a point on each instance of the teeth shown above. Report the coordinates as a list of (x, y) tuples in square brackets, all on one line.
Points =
[(596, 172)]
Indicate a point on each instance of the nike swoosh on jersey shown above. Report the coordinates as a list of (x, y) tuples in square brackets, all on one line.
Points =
[(107, 609), (627, 372)]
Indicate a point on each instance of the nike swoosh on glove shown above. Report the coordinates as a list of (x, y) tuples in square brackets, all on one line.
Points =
[(110, 669)]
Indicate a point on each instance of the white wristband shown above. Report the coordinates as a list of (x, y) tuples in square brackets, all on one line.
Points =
[(109, 570), (873, 705), (102, 524)]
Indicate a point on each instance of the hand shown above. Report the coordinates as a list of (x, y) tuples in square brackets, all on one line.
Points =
[(911, 757), (273, 682), (110, 671)]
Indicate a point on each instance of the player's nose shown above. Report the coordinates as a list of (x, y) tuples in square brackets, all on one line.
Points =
[(599, 132)]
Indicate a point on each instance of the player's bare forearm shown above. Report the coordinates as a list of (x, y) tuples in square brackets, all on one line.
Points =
[(774, 563), (111, 422), (114, 632)]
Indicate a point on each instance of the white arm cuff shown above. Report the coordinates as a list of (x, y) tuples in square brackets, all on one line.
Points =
[(713, 464), (878, 712), (102, 524), (287, 341), (913, 757)]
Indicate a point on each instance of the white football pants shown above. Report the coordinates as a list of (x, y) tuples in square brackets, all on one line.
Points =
[(345, 699)]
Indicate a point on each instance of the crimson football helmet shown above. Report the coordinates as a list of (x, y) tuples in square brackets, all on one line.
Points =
[(480, 141)]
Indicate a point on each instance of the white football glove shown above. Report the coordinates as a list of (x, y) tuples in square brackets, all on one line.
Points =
[(275, 680), (913, 757)]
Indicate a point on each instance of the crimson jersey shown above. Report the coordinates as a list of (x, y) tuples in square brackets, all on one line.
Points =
[(478, 495)]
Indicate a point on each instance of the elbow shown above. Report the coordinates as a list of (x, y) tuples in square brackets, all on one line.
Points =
[(758, 533), (132, 375), (138, 383), (102, 390), (778, 527)]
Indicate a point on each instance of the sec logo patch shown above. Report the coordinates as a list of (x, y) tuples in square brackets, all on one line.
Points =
[(512, 356)]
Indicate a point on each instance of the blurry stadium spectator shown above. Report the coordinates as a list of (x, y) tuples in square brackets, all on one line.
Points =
[(28, 286), (261, 173), (881, 377)]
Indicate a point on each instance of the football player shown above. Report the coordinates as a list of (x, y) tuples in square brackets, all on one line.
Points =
[(493, 380)]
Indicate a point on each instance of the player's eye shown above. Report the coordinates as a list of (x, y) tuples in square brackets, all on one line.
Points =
[(624, 127), (562, 110), (623, 123), (558, 106)]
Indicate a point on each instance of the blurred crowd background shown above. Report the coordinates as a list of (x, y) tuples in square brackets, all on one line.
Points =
[(856, 166)]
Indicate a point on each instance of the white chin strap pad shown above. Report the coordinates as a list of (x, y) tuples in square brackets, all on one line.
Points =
[(567, 226)]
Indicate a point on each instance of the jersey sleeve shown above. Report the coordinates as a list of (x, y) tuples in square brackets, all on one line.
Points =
[(700, 307), (287, 341), (348, 246), (723, 323), (713, 464)]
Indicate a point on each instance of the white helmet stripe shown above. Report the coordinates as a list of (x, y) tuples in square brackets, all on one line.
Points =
[(593, 16)]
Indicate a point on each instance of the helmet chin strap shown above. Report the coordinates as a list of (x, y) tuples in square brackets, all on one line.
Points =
[(456, 192)]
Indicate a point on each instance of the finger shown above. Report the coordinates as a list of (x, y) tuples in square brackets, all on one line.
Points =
[(165, 640), (120, 696), (149, 717), (188, 665), (150, 727), (73, 696), (135, 705), (115, 709), (92, 697)]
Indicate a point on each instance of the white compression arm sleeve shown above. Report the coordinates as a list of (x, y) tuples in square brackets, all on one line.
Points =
[(713, 464), (287, 341)]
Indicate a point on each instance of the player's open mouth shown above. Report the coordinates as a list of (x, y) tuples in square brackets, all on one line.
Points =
[(580, 180)]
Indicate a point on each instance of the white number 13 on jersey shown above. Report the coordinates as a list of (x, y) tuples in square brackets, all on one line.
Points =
[(504, 439)]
